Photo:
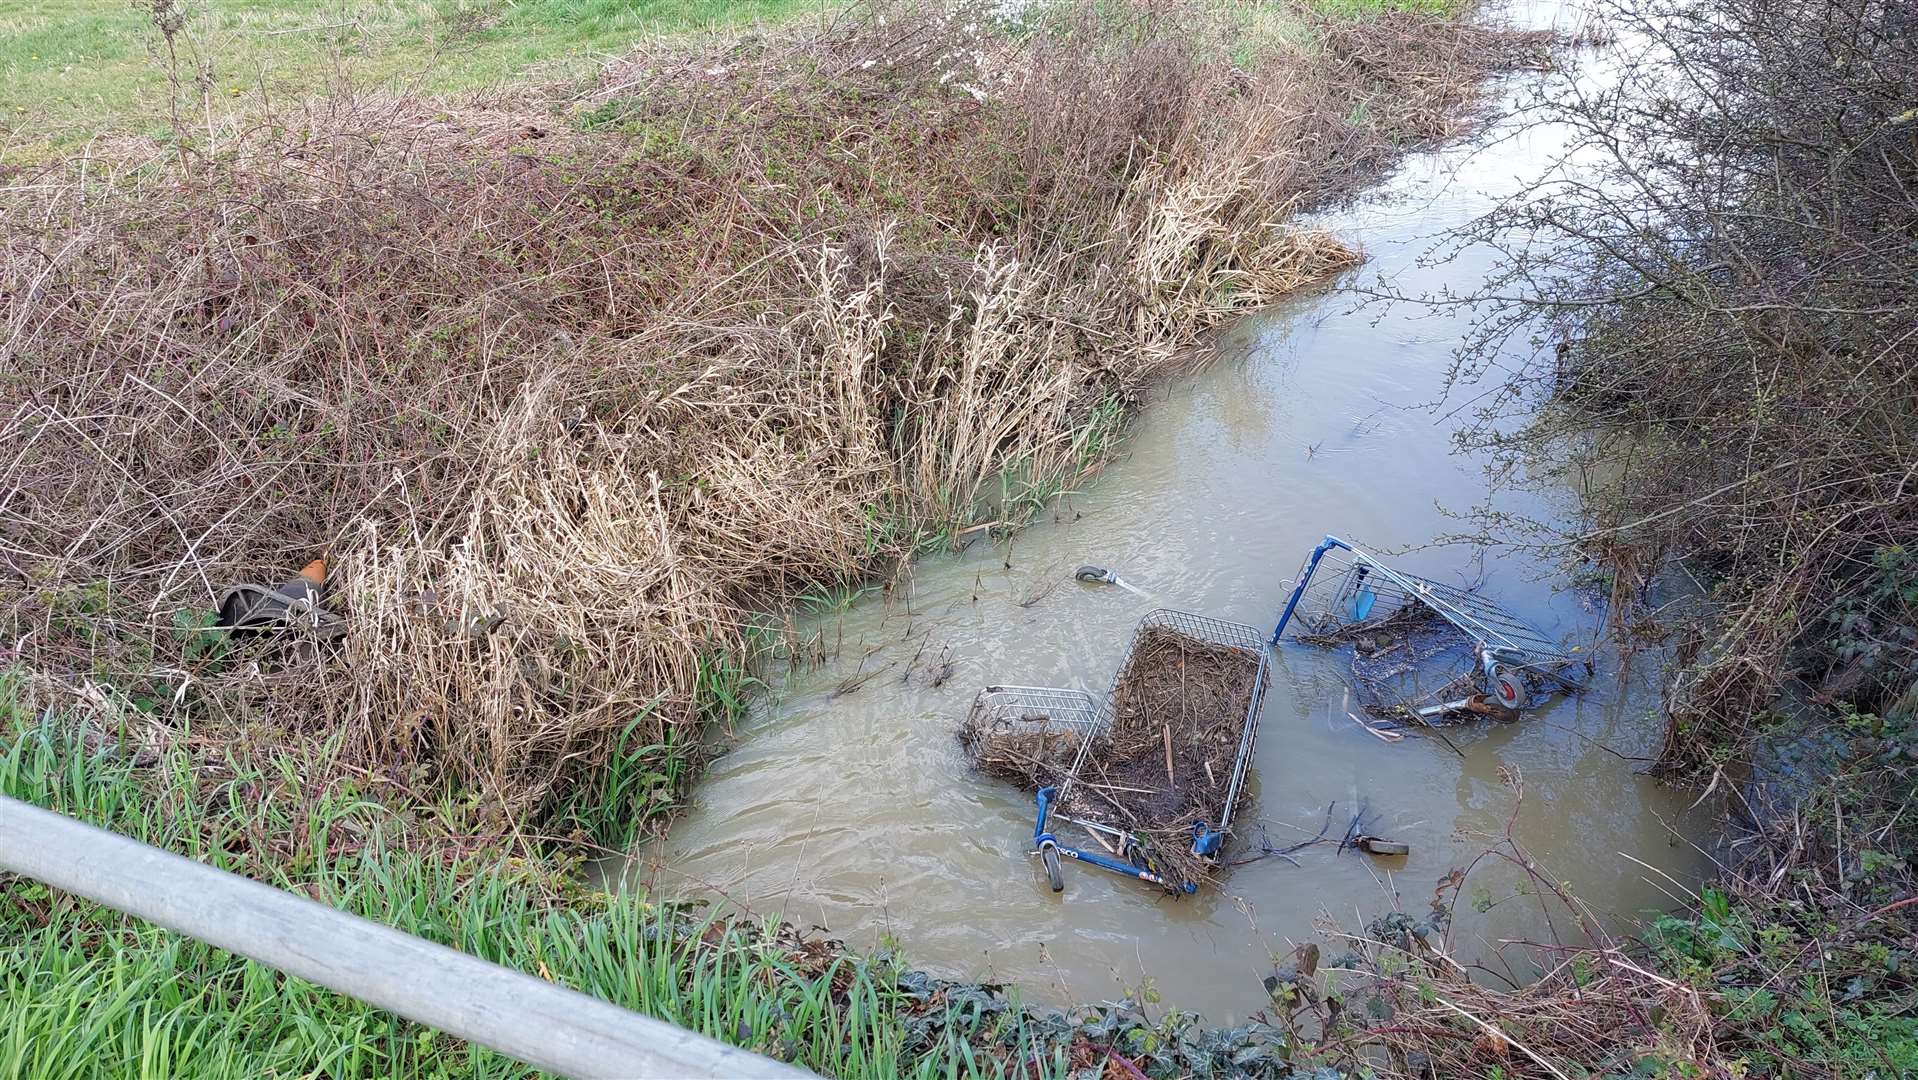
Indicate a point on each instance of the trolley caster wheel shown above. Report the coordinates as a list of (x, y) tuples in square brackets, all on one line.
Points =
[(1055, 876), (1509, 687)]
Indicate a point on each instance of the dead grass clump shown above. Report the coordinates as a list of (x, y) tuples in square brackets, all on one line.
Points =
[(1598, 1008), (566, 394), (1030, 752)]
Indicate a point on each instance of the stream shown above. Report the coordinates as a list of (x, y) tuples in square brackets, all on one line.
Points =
[(847, 803)]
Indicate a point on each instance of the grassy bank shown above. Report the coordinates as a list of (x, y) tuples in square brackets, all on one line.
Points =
[(1763, 980), (75, 70), (89, 993)]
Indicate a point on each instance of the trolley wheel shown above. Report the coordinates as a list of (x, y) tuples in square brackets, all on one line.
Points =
[(1509, 686), (1054, 875)]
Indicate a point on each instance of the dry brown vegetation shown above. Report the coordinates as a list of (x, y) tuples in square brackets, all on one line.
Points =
[(567, 391)]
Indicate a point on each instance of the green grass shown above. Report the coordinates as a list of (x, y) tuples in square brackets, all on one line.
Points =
[(85, 992), (642, 785), (637, 789), (73, 69)]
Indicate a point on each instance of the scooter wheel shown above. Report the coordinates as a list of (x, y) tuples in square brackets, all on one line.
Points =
[(1055, 876)]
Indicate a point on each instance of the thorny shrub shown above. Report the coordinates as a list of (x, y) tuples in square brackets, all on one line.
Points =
[(1731, 290)]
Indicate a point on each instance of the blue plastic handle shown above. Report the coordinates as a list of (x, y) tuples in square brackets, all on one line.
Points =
[(1206, 842)]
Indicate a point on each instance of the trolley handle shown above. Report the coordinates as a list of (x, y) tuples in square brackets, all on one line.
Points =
[(1305, 578)]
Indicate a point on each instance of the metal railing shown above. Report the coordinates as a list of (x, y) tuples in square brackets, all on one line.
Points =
[(544, 1025)]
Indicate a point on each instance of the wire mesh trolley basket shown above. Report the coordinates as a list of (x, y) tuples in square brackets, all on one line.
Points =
[(1344, 594), (1149, 804)]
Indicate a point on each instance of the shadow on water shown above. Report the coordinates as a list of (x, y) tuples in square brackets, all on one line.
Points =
[(847, 803)]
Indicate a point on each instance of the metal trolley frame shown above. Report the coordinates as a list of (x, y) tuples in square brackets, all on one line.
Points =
[(1113, 847), (1339, 583)]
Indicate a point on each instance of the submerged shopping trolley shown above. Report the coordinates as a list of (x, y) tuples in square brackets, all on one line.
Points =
[(1344, 595), (1070, 744)]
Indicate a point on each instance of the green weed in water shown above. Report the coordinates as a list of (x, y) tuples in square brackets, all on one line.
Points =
[(832, 599)]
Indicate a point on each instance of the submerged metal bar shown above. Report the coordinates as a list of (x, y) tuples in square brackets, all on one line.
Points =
[(537, 1022)]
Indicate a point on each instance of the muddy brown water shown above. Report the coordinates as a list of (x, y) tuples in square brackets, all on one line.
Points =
[(846, 802)]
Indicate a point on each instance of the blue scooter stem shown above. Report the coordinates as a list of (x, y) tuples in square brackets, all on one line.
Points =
[(1106, 862), (1045, 797)]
